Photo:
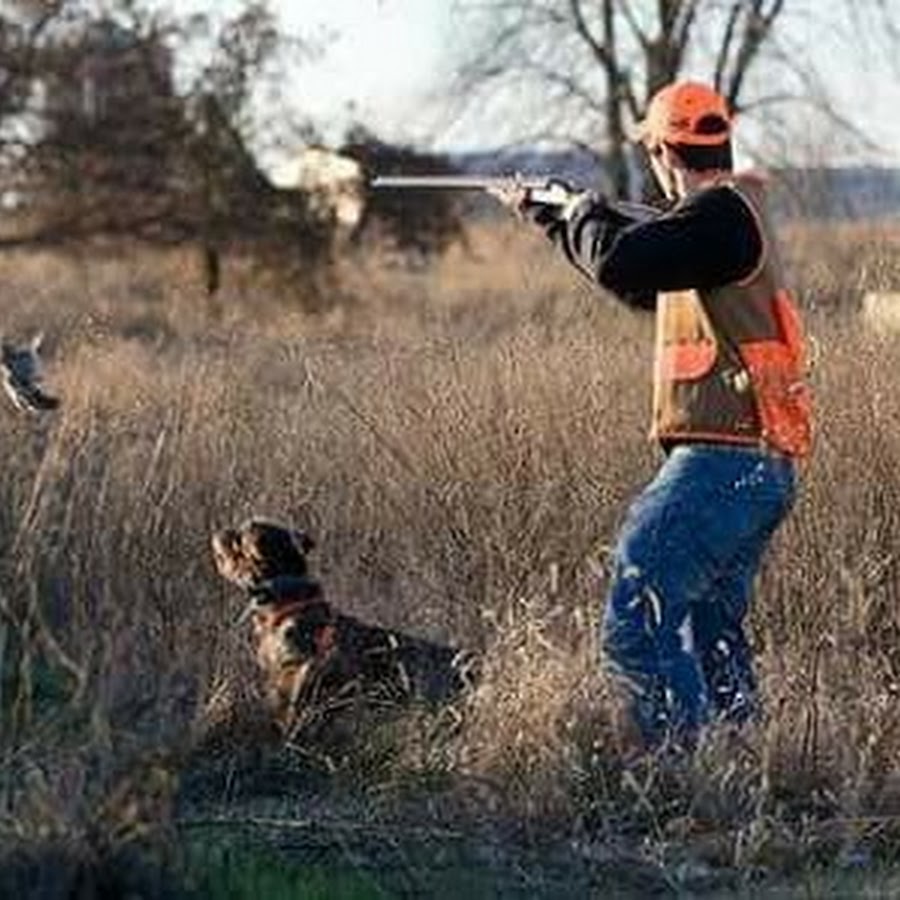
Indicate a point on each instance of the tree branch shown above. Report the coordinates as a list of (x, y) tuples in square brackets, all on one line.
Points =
[(758, 26), (726, 43), (568, 83), (681, 31), (601, 53), (627, 9), (19, 73)]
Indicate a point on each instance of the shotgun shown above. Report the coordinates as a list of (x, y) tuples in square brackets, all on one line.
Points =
[(544, 189)]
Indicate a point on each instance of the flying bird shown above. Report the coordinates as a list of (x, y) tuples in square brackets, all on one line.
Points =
[(20, 368)]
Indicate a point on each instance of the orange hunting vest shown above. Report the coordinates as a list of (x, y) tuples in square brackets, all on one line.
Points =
[(729, 362)]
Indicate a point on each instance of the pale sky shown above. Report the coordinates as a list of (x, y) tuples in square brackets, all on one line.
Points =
[(383, 62), (379, 64)]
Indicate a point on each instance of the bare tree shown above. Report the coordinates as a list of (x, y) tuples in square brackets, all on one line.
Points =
[(116, 140), (581, 71)]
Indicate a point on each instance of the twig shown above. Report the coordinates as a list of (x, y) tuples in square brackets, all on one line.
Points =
[(319, 826)]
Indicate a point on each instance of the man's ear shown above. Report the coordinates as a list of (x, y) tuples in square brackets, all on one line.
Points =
[(664, 161), (672, 157)]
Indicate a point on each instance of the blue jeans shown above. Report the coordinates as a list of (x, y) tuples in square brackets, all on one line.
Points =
[(683, 575)]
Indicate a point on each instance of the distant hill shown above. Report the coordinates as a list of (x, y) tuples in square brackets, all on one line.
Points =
[(580, 167), (849, 192)]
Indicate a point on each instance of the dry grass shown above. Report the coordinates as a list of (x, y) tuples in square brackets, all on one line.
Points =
[(462, 441)]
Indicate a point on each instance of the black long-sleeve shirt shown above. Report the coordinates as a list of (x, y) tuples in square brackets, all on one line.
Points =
[(707, 240)]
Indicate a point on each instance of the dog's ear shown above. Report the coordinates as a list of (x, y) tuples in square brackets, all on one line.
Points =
[(303, 541), (274, 550)]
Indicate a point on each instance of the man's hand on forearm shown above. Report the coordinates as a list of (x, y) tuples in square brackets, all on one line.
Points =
[(545, 206)]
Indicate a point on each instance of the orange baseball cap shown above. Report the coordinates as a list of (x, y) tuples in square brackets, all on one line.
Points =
[(687, 113)]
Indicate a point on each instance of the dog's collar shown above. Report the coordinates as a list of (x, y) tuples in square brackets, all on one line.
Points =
[(275, 613), (283, 588), (279, 597)]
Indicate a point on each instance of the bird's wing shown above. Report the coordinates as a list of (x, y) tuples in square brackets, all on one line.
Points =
[(20, 370), (38, 401), (22, 364), (12, 390), (28, 397)]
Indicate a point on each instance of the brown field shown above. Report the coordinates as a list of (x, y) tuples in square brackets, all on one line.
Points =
[(462, 441)]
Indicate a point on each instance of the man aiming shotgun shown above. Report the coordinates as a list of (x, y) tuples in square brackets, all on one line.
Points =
[(731, 412)]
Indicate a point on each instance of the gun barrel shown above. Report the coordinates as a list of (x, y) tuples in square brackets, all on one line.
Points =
[(545, 189), (454, 182)]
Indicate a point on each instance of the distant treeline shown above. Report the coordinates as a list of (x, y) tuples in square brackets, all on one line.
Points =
[(848, 192)]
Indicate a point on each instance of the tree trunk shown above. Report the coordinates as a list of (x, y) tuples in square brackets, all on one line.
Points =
[(614, 102)]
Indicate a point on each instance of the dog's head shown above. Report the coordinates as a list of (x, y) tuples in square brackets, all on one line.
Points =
[(292, 626), (258, 551)]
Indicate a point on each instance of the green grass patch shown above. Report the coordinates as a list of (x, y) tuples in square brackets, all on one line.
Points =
[(226, 871)]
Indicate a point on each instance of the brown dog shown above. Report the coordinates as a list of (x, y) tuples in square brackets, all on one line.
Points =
[(314, 658)]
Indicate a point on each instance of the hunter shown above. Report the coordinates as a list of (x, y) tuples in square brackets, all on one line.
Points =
[(731, 412)]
